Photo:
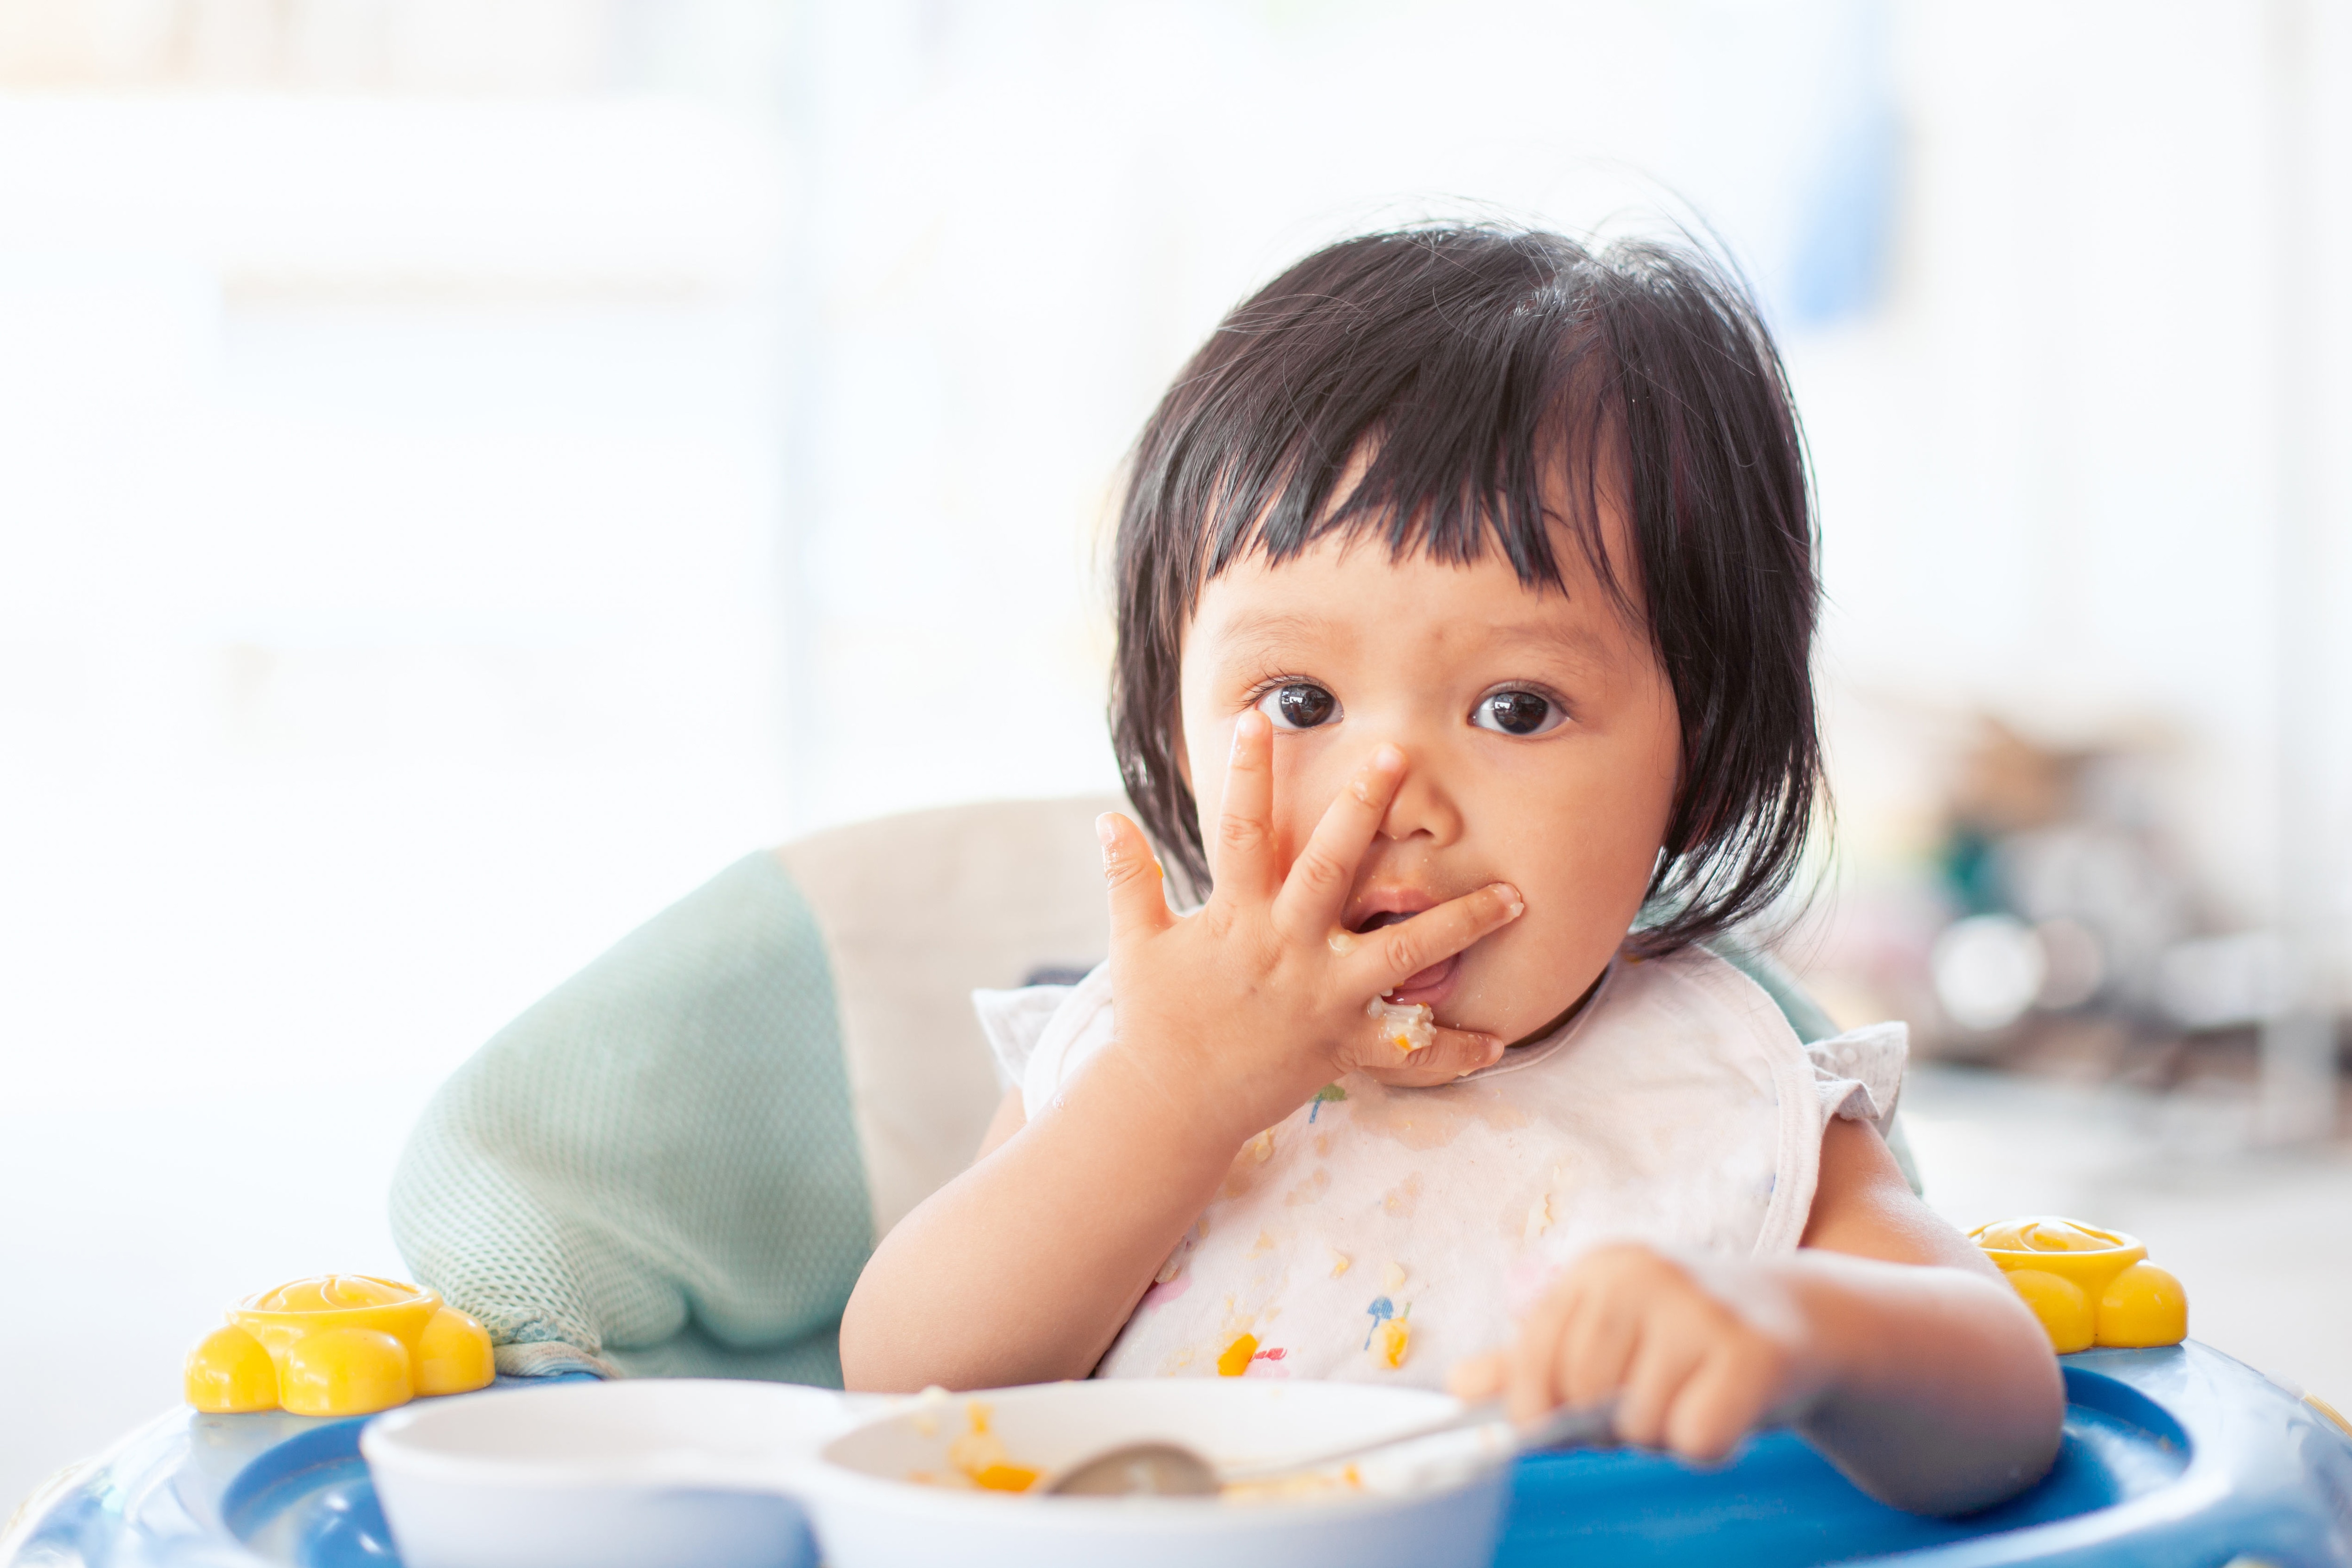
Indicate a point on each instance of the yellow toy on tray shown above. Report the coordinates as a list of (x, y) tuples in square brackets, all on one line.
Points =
[(2087, 1286), (337, 1345)]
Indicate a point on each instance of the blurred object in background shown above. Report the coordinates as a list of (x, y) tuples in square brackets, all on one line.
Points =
[(2051, 925), (2053, 856), (391, 429), (502, 48)]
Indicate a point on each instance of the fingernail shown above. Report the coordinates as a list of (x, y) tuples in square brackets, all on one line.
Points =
[(1515, 904), (1107, 831), (1246, 727)]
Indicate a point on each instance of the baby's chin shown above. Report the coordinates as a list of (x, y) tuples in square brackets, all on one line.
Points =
[(1488, 998)]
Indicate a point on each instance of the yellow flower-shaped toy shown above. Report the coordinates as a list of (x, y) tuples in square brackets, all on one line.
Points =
[(2087, 1286), (337, 1345)]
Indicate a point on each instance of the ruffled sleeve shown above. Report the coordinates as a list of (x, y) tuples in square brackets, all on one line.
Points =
[(1859, 1074), (1040, 1034), (1013, 1022)]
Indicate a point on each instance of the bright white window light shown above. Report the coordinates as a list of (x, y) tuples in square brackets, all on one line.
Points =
[(1987, 970)]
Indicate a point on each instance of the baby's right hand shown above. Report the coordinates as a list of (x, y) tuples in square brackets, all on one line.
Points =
[(1247, 1007)]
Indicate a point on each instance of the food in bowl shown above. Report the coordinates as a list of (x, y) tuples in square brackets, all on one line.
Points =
[(1435, 1503), (978, 1458)]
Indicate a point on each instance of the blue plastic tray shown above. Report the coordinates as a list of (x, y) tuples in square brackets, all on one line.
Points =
[(2172, 1457)]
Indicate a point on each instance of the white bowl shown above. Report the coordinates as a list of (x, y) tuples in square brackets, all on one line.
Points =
[(602, 1475), (1432, 1505)]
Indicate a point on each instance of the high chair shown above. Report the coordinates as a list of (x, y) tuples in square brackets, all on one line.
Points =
[(677, 1162)]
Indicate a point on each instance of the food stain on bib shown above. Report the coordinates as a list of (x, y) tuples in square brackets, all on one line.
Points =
[(1432, 1118), (1249, 1167), (1309, 1190), (1401, 1200)]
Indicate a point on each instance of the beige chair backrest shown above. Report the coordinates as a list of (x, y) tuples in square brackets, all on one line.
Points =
[(917, 911)]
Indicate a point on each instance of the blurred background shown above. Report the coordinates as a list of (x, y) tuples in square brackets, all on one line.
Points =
[(470, 468)]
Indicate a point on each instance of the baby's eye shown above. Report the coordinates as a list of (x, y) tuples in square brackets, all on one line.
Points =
[(1517, 712), (1300, 705)]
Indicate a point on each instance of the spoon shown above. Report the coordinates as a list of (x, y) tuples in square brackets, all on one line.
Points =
[(1163, 1469)]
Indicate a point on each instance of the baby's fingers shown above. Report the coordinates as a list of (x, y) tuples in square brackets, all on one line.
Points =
[(1532, 1382), (1243, 858), (1656, 1390), (1447, 1056), (1477, 1377), (1724, 1398), (1315, 892), (1139, 904), (1395, 954)]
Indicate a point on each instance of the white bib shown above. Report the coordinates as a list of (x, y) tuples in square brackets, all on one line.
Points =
[(1383, 1234)]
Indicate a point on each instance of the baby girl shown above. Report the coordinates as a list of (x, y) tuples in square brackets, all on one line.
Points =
[(1465, 603)]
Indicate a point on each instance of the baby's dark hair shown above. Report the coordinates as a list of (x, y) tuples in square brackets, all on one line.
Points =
[(1455, 366)]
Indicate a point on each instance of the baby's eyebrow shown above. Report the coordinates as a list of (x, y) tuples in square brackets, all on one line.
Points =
[(1579, 643), (1259, 632), (1258, 636)]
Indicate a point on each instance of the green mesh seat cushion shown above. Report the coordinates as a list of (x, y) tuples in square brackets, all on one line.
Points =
[(654, 1171)]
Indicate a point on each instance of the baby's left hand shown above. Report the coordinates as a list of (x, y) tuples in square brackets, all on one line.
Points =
[(1697, 1351)]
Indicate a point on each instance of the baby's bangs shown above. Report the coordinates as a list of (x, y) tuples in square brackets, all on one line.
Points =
[(1383, 406)]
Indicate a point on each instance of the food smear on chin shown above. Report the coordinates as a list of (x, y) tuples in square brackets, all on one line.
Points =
[(1409, 1027)]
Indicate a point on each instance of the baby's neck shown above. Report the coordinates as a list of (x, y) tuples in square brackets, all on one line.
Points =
[(1570, 1011)]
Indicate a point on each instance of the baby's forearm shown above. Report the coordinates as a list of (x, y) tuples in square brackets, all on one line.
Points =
[(1942, 1394), (1023, 1269)]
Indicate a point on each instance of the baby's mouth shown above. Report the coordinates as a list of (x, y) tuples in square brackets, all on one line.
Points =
[(1426, 985)]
